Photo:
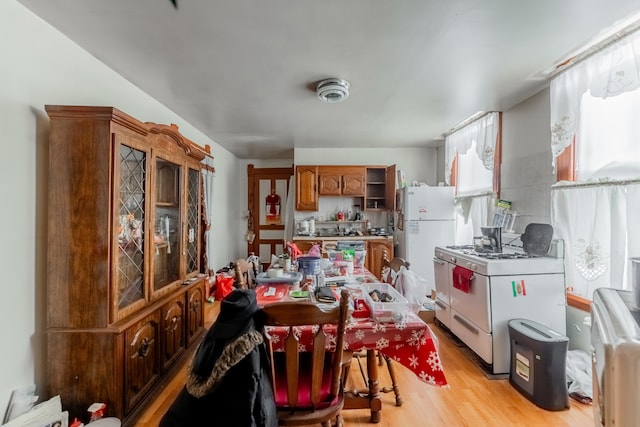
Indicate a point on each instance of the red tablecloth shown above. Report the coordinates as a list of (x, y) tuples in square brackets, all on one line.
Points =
[(410, 343)]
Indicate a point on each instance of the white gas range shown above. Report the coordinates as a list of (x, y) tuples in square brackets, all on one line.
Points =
[(478, 293)]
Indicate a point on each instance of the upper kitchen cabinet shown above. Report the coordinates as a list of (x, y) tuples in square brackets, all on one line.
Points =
[(380, 188), (307, 188), (341, 181)]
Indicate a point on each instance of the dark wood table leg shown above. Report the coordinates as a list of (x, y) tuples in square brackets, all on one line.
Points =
[(370, 397)]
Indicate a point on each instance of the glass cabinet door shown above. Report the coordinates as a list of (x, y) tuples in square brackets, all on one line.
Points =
[(130, 228), (168, 231), (193, 221)]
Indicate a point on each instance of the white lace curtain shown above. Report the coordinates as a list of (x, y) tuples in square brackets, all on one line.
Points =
[(597, 221), (609, 72), (207, 177), (599, 226), (473, 210), (484, 131)]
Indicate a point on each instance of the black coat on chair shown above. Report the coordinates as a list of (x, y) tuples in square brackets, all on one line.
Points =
[(228, 382)]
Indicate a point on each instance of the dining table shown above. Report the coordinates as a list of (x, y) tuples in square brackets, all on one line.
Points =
[(408, 340)]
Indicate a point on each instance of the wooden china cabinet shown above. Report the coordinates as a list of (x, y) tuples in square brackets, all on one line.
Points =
[(124, 289)]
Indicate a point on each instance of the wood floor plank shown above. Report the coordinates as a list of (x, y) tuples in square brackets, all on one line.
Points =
[(471, 399)]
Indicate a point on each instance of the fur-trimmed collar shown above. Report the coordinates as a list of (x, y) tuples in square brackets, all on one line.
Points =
[(231, 355)]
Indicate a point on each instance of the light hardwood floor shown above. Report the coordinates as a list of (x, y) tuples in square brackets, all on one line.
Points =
[(470, 400)]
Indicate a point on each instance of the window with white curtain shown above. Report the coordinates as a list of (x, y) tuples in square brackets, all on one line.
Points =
[(473, 148), (608, 137), (473, 177), (597, 102)]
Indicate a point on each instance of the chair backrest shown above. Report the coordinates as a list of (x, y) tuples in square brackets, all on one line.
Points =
[(307, 370), (391, 267), (244, 274)]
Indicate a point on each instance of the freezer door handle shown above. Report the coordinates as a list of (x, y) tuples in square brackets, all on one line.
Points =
[(466, 324)]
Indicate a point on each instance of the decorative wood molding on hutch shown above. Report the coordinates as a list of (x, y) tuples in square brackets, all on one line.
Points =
[(125, 291)]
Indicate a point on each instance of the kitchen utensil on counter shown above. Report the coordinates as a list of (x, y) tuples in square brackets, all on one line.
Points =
[(356, 213), (537, 239), (308, 265), (490, 241)]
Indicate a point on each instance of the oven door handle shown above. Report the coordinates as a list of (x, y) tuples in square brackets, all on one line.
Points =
[(466, 324), (438, 261), (441, 304)]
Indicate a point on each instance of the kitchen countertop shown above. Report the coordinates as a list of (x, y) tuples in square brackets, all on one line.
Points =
[(368, 237)]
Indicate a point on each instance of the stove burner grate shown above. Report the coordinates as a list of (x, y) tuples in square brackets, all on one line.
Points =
[(503, 255), (460, 247)]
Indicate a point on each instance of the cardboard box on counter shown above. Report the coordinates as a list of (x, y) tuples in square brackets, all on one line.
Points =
[(428, 315)]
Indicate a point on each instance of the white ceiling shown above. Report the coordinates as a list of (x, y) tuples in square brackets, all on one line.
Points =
[(242, 71)]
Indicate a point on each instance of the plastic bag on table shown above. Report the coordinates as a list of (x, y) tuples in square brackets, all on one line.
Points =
[(413, 287), (275, 262), (315, 251), (223, 286)]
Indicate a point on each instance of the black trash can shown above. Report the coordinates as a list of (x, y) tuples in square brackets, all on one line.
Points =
[(539, 363)]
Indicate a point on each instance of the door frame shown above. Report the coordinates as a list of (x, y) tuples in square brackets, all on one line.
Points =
[(254, 176)]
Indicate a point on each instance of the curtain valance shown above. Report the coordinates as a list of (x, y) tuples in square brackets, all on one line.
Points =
[(484, 131), (608, 72)]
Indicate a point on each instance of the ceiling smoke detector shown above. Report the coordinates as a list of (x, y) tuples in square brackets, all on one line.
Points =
[(332, 90)]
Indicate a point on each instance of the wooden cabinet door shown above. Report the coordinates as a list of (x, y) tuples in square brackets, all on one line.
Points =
[(141, 367), (341, 180), (329, 184), (172, 329), (195, 312), (353, 184), (375, 251), (306, 188), (390, 188)]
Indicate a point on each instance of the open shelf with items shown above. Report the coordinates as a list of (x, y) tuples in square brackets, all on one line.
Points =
[(380, 188)]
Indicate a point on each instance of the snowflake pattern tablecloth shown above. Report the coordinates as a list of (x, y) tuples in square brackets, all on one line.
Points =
[(409, 342)]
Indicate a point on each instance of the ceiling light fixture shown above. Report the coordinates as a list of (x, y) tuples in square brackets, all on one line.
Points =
[(332, 90)]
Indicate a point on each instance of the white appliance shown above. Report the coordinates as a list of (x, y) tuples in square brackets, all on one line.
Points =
[(503, 286), (615, 347), (428, 221)]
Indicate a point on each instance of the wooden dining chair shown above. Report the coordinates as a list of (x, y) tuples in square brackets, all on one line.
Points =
[(244, 274), (390, 271), (308, 382)]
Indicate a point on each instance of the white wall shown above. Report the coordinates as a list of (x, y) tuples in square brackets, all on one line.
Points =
[(527, 174), (41, 66)]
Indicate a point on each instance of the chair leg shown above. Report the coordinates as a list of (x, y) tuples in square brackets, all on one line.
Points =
[(394, 383)]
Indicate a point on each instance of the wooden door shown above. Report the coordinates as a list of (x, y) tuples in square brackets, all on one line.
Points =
[(172, 330), (268, 189), (141, 367), (390, 188), (195, 313)]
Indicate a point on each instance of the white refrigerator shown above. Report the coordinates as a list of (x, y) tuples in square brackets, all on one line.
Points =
[(427, 215)]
